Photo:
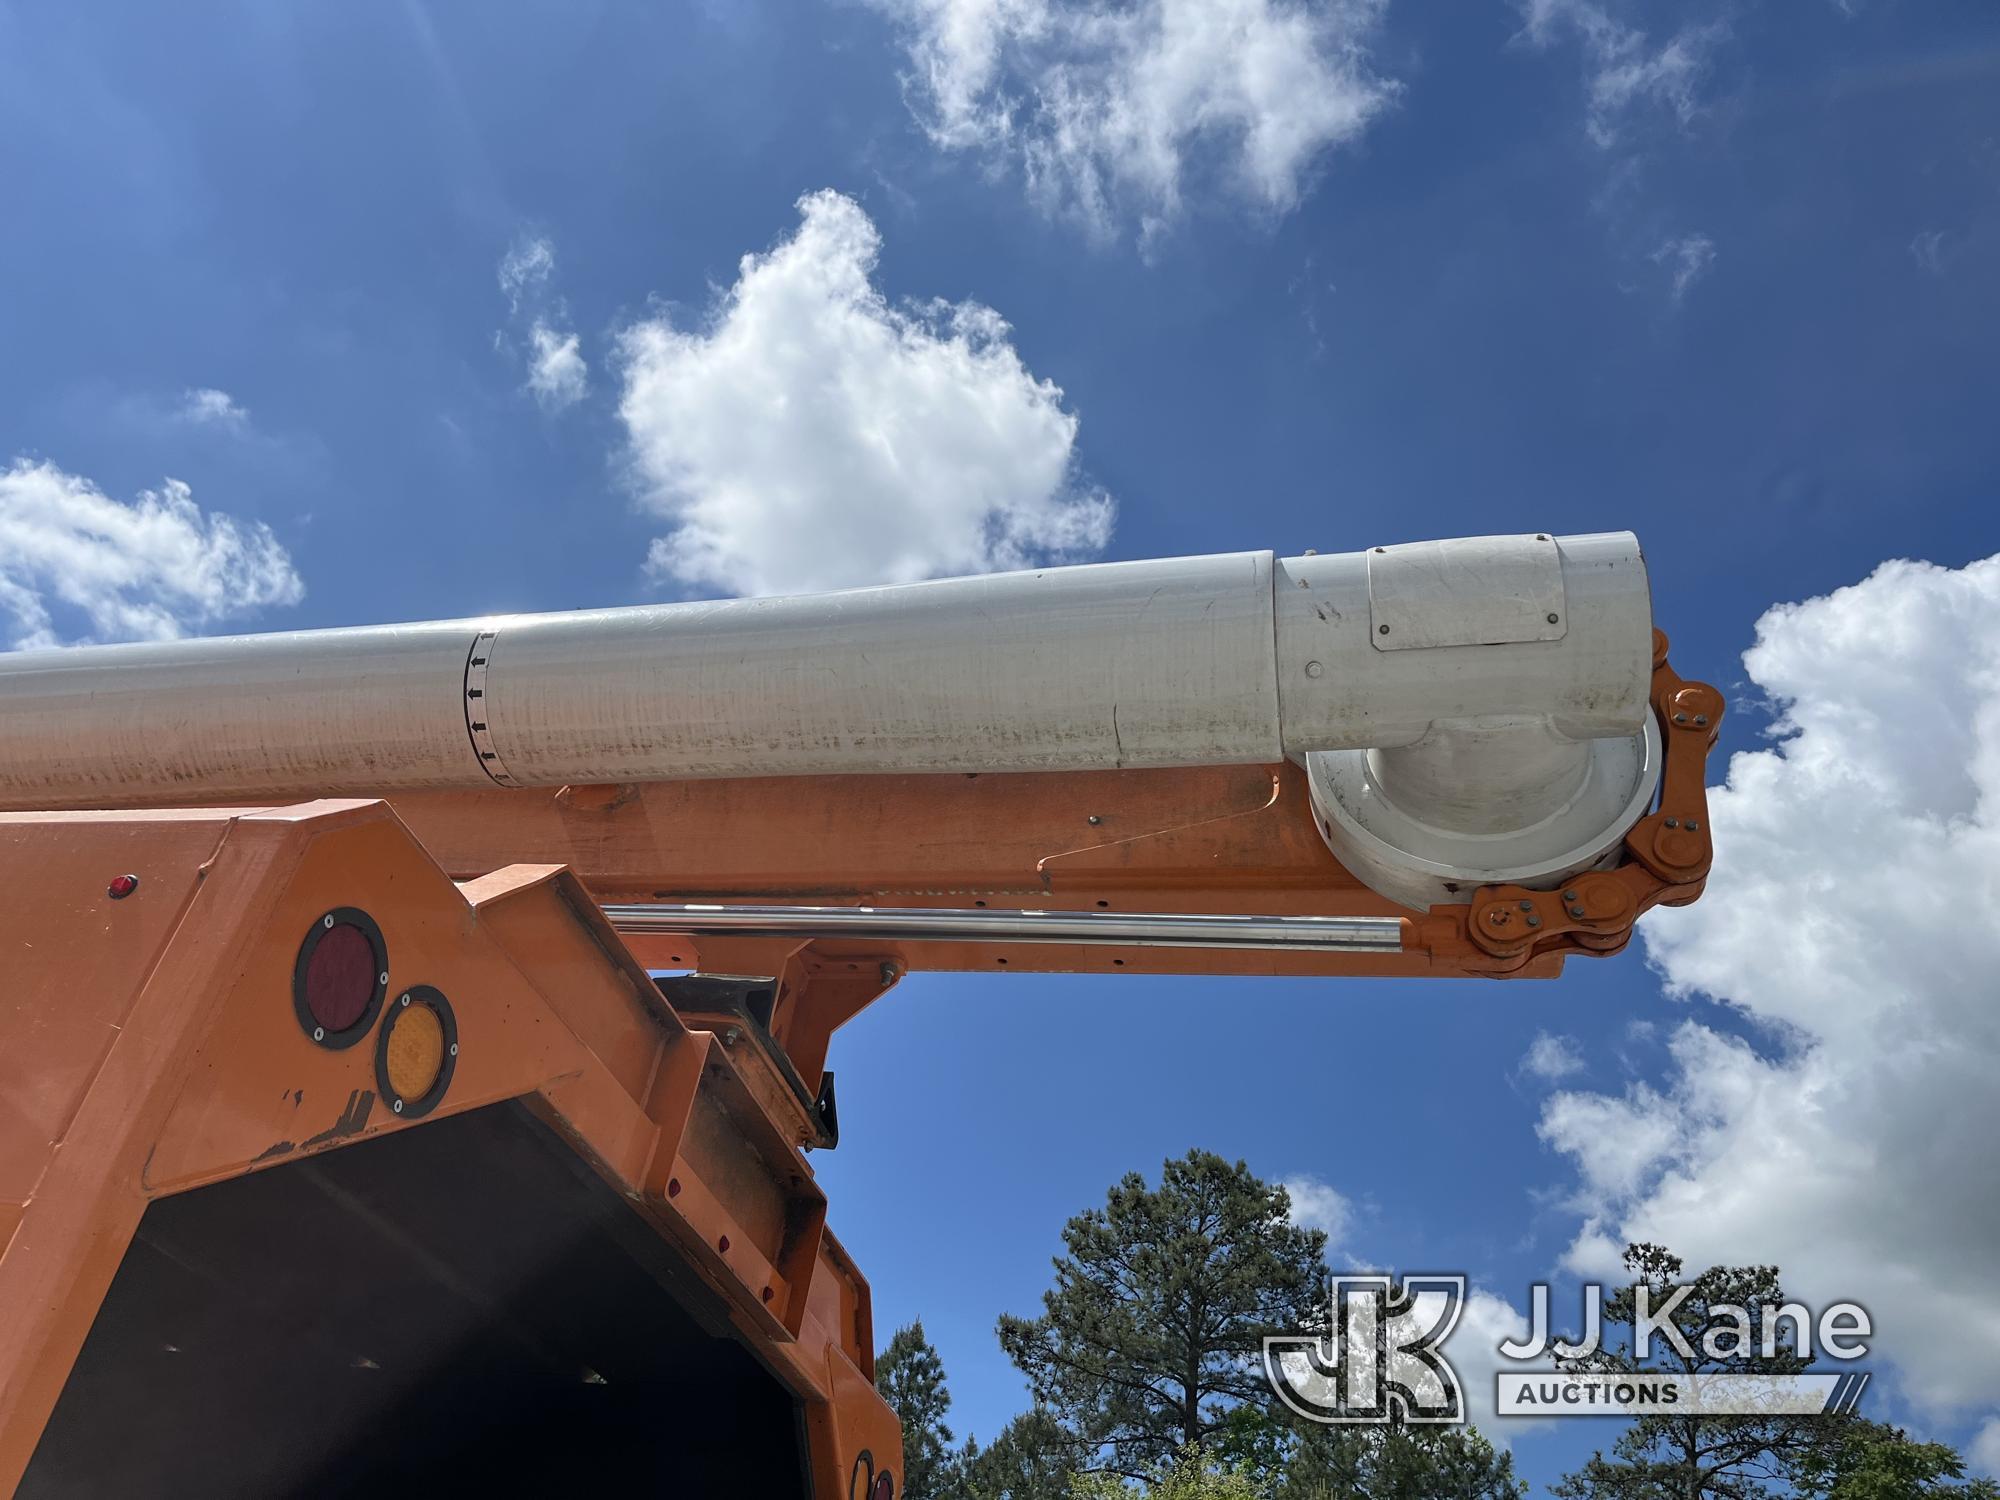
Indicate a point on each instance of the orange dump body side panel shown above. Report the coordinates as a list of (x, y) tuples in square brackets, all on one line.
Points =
[(150, 1046)]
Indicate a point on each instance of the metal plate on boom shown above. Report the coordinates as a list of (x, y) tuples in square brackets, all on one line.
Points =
[(1470, 591)]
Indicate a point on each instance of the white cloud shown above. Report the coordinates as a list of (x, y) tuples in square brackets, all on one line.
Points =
[(1984, 1453), (1686, 259), (209, 407), (1318, 1205), (526, 268), (1624, 71), (1551, 1057), (1848, 919), (814, 435), (558, 374), (150, 570), (1928, 251), (1113, 111)]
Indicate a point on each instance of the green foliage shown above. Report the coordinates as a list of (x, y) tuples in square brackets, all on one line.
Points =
[(910, 1377), (1863, 1460), (1188, 1476), (1034, 1458), (1154, 1329), (1398, 1463), (1685, 1457)]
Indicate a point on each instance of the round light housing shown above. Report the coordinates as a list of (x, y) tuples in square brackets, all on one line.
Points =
[(340, 977), (417, 1051)]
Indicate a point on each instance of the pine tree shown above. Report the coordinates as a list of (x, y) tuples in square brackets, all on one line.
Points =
[(1154, 1329), (910, 1377)]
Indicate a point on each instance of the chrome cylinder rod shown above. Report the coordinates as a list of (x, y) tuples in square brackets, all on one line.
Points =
[(954, 925)]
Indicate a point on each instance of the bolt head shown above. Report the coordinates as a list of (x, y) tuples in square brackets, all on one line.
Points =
[(1381, 629), (1533, 920), (1701, 721), (1527, 906), (1553, 619), (1673, 822), (1692, 826)]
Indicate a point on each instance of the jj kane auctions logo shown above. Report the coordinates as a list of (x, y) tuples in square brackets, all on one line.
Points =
[(1382, 1357)]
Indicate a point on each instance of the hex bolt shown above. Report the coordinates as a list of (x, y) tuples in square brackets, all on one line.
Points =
[(1701, 721), (1680, 718), (1314, 669), (1673, 822), (1533, 920), (1577, 912), (1527, 906), (1692, 826), (731, 1035), (1569, 895)]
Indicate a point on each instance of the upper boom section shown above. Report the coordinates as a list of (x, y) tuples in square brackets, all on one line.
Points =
[(1229, 659)]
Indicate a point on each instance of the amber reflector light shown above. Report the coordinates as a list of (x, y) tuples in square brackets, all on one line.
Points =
[(414, 1051)]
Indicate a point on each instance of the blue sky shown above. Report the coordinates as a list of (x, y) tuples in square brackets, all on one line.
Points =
[(1726, 274)]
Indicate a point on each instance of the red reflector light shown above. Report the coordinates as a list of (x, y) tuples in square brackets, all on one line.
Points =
[(885, 1487), (121, 886), (340, 978)]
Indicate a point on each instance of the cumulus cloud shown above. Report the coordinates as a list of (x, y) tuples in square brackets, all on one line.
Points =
[(209, 407), (1686, 260), (1625, 71), (1550, 1058), (1319, 1205), (151, 569), (1985, 1450), (1853, 1141), (812, 435), (558, 374), (1115, 111)]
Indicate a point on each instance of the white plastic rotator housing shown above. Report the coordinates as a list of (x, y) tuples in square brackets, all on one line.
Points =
[(1478, 707)]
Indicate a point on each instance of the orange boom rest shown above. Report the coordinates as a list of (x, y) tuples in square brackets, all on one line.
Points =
[(458, 1131)]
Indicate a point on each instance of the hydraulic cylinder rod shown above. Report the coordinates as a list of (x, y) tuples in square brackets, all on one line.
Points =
[(953, 925)]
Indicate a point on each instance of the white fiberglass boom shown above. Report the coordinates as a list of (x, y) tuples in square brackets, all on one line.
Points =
[(1464, 706)]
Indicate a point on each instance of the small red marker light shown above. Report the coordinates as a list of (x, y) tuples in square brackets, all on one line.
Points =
[(121, 886)]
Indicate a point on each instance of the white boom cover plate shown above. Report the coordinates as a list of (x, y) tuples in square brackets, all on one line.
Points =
[(1470, 591)]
